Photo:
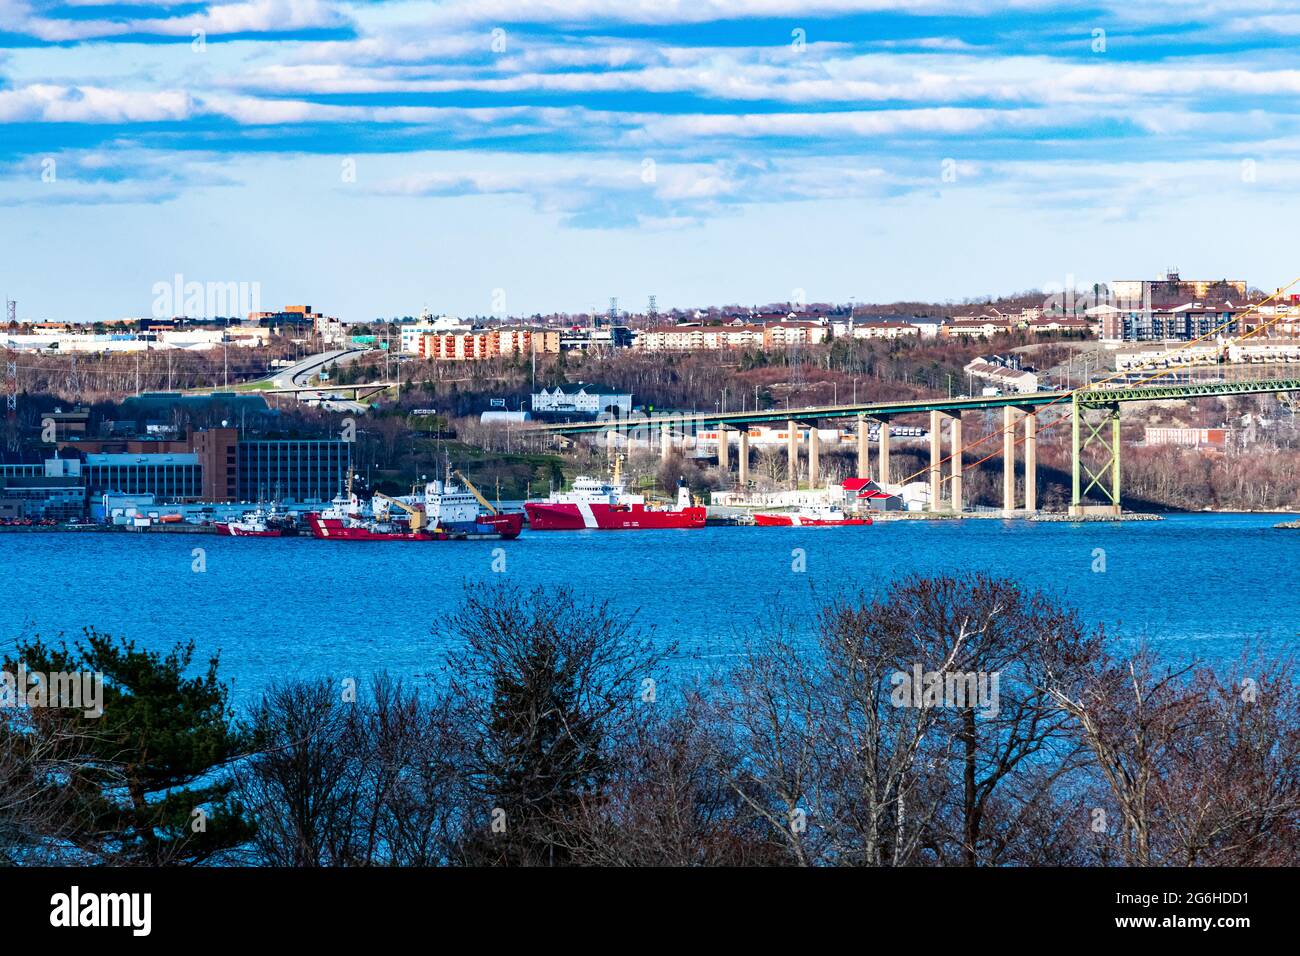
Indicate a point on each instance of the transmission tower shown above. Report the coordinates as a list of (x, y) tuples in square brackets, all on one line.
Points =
[(652, 309), (11, 366), (613, 310)]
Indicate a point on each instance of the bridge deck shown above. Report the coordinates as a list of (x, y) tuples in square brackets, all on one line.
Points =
[(1088, 397)]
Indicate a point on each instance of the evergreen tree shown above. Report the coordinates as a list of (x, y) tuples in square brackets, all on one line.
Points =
[(150, 787), (546, 687), (543, 753)]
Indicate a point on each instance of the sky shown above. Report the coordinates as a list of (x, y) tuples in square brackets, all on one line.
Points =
[(524, 156)]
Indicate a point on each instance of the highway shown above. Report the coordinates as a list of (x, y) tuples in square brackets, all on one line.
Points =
[(299, 373)]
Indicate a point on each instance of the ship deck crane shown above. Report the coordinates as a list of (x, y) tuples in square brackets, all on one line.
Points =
[(418, 519), (475, 492)]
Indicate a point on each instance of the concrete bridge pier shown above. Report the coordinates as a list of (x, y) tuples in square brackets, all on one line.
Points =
[(742, 458), (1008, 460), (814, 455), (936, 457), (665, 443), (884, 450), (724, 450), (954, 445), (792, 454), (864, 452), (1031, 461)]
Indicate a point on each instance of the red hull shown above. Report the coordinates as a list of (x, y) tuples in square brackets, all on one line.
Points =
[(493, 527), (563, 516), (794, 521)]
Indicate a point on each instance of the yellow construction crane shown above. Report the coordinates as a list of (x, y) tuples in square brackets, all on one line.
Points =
[(475, 492), (418, 519)]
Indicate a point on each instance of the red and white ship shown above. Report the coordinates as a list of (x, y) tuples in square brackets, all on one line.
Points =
[(445, 512), (605, 506), (812, 517), (254, 524)]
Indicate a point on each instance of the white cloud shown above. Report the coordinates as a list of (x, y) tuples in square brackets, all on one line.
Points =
[(89, 104), (241, 16), (699, 11), (939, 120)]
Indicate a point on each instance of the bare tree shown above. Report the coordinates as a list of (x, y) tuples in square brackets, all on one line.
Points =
[(1203, 770), (41, 820)]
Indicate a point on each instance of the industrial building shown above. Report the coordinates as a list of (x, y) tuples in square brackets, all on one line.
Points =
[(205, 465)]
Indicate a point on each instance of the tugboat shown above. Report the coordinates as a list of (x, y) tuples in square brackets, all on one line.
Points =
[(814, 517), (605, 506), (445, 512)]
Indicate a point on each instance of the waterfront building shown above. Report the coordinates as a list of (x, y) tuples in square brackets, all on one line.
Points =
[(292, 469), (171, 477), (51, 489), (214, 465)]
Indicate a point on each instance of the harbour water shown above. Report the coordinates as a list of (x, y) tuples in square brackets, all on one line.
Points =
[(1198, 586)]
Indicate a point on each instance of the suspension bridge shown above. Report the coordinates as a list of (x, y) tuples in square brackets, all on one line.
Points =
[(1094, 413)]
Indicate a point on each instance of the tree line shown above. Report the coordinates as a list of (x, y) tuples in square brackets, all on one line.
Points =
[(948, 721)]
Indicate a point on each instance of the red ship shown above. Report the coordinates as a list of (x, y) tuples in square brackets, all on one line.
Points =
[(444, 512), (604, 506), (491, 527), (808, 518)]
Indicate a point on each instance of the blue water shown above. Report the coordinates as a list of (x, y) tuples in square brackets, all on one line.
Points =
[(1200, 586)]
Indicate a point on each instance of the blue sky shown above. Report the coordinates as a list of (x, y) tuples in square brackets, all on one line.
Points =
[(375, 158)]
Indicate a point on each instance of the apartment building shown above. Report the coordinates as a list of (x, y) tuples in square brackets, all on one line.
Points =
[(1180, 323), (488, 343), (692, 338)]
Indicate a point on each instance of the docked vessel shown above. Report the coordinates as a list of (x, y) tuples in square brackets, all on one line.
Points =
[(261, 523), (808, 517), (444, 512), (595, 504), (254, 524)]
